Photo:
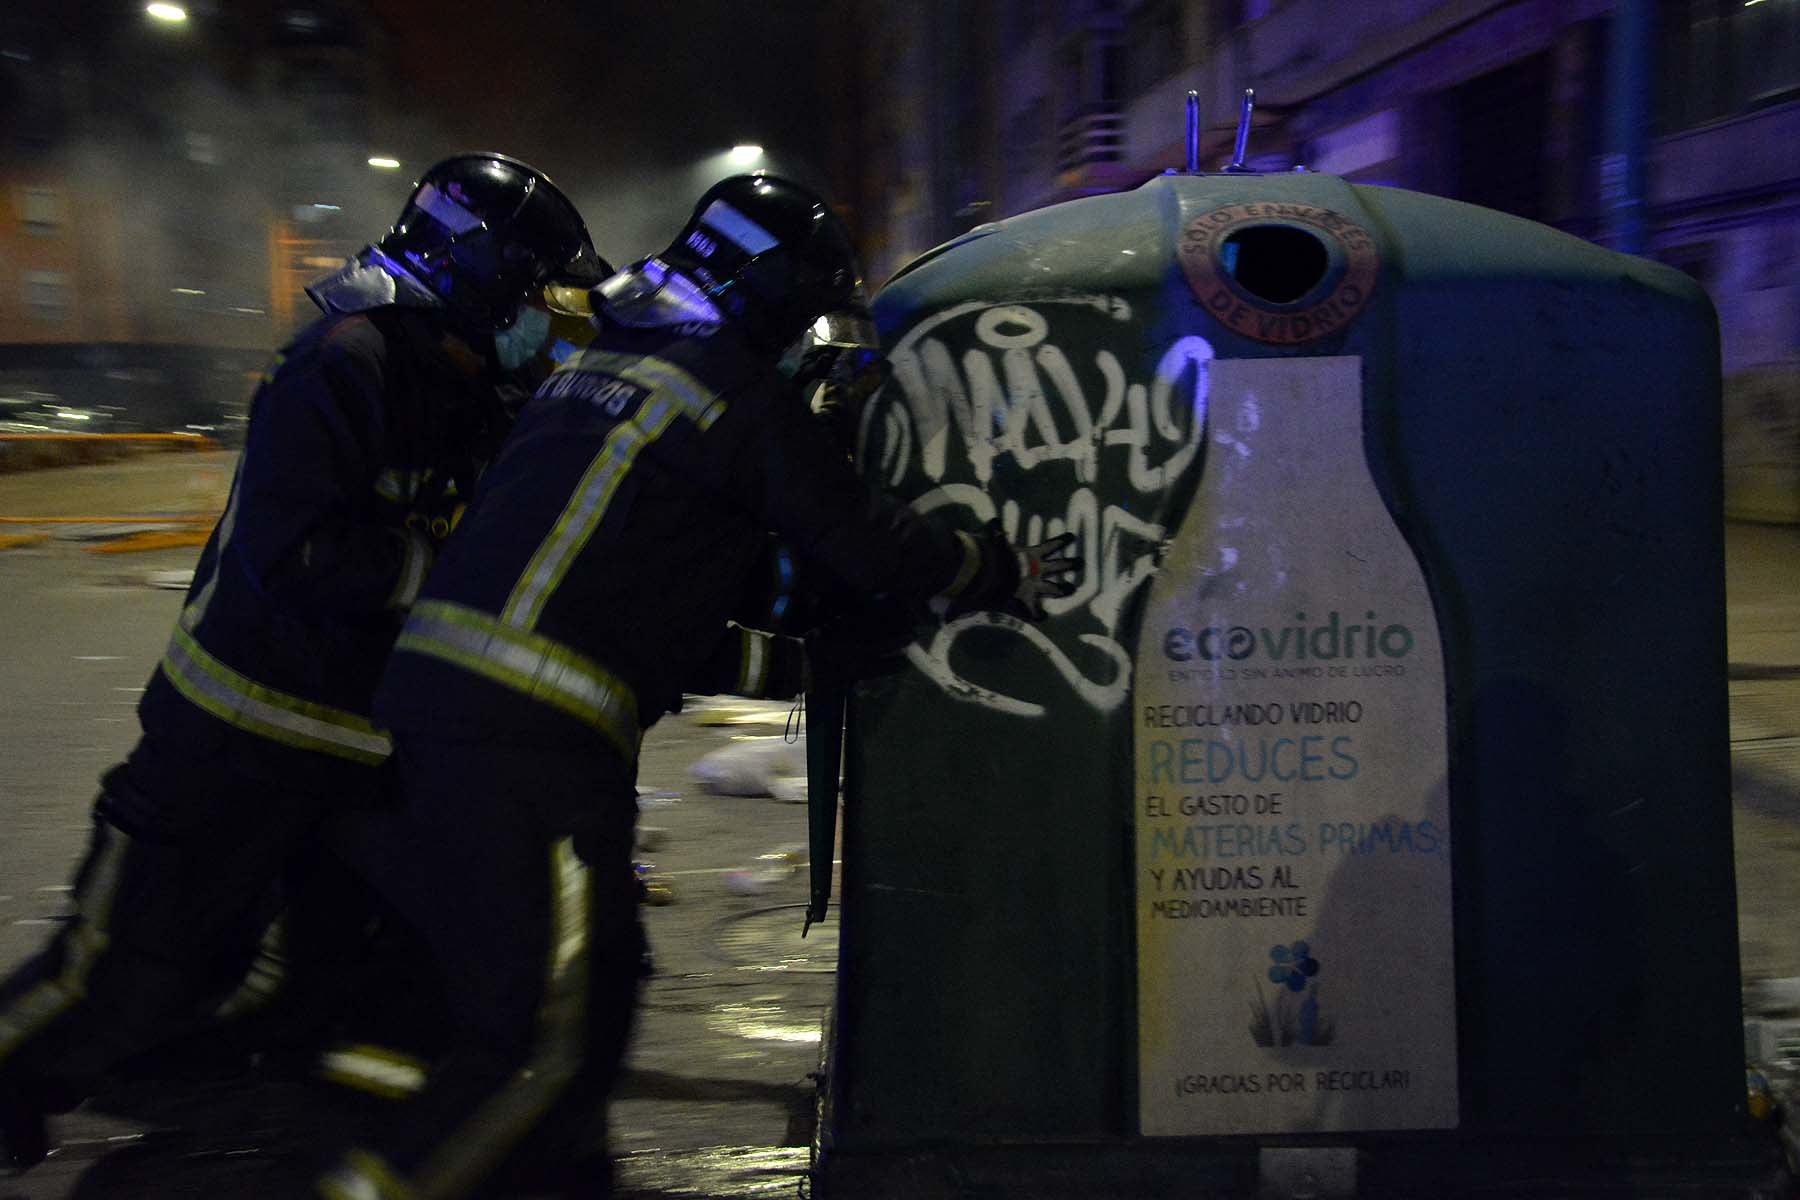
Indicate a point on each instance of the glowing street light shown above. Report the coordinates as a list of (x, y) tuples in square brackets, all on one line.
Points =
[(383, 163), (745, 154), (174, 14)]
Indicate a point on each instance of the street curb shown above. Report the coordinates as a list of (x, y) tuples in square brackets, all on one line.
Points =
[(186, 531), (37, 451)]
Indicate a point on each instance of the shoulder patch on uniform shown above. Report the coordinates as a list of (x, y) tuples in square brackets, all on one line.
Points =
[(608, 393)]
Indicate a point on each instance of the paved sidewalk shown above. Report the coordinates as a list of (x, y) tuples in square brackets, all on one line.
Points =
[(1763, 638), (159, 485)]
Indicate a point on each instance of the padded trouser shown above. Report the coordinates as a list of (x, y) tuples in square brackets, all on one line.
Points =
[(516, 863), (171, 899)]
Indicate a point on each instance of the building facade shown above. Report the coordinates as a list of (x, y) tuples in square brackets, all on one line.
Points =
[(992, 107), (166, 189)]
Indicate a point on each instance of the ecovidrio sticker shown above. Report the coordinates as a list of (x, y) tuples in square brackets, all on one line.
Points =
[(1292, 829)]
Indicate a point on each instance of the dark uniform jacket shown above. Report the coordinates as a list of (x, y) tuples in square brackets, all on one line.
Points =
[(617, 532), (356, 436)]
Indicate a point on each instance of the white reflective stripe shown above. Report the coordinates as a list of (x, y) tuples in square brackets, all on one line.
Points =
[(241, 701), (670, 388), (401, 486), (371, 1068), (412, 570), (469, 1154), (584, 512), (571, 931), (191, 615), (86, 942), (446, 211), (267, 973), (755, 678), (738, 229), (365, 1176), (346, 1183), (701, 404), (537, 666)]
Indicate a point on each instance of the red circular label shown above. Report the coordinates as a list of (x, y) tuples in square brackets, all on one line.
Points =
[(1261, 320)]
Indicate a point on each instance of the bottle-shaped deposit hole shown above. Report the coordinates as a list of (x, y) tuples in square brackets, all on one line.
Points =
[(1276, 263)]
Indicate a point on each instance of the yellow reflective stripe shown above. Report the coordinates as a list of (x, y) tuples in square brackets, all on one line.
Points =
[(671, 389), (702, 405), (971, 563), (753, 672), (470, 1152), (87, 939), (542, 668), (366, 1176), (584, 511), (402, 487), (240, 701), (194, 611), (412, 569), (374, 1069), (268, 971)]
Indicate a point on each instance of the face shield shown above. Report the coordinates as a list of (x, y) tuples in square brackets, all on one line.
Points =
[(370, 280), (840, 345), (651, 294), (839, 367)]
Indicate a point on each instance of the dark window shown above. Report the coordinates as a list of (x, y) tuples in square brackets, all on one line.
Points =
[(1024, 152), (1223, 16), (1069, 96), (1018, 21), (1498, 125), (48, 295), (1152, 45), (1720, 57), (1111, 67), (40, 211)]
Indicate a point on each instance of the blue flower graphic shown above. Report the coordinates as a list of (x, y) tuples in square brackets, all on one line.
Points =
[(1292, 965), (1292, 1017)]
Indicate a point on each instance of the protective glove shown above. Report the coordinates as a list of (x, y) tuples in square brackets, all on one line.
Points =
[(1018, 579)]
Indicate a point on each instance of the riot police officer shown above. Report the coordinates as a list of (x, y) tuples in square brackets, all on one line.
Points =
[(363, 435)]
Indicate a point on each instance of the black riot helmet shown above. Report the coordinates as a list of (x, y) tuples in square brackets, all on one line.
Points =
[(481, 231), (771, 255)]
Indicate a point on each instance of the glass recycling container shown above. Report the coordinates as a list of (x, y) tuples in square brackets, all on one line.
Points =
[(1363, 818)]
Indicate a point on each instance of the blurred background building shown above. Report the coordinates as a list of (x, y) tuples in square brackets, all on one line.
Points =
[(167, 186), (1665, 127)]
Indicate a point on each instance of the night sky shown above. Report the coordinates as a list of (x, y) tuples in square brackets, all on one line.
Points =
[(627, 105)]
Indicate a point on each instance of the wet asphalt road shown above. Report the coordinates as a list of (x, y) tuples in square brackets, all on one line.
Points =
[(717, 1100)]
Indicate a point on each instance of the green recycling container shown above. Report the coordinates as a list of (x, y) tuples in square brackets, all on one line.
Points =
[(1366, 812)]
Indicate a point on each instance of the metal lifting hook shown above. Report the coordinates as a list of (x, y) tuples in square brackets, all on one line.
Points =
[(1193, 132), (1243, 132)]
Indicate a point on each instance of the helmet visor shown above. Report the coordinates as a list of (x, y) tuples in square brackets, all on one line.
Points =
[(845, 327)]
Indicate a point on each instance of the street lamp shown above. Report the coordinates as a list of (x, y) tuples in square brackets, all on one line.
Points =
[(744, 154), (174, 14), (382, 162)]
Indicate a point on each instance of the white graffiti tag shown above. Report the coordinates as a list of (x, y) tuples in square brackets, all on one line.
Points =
[(1013, 395)]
